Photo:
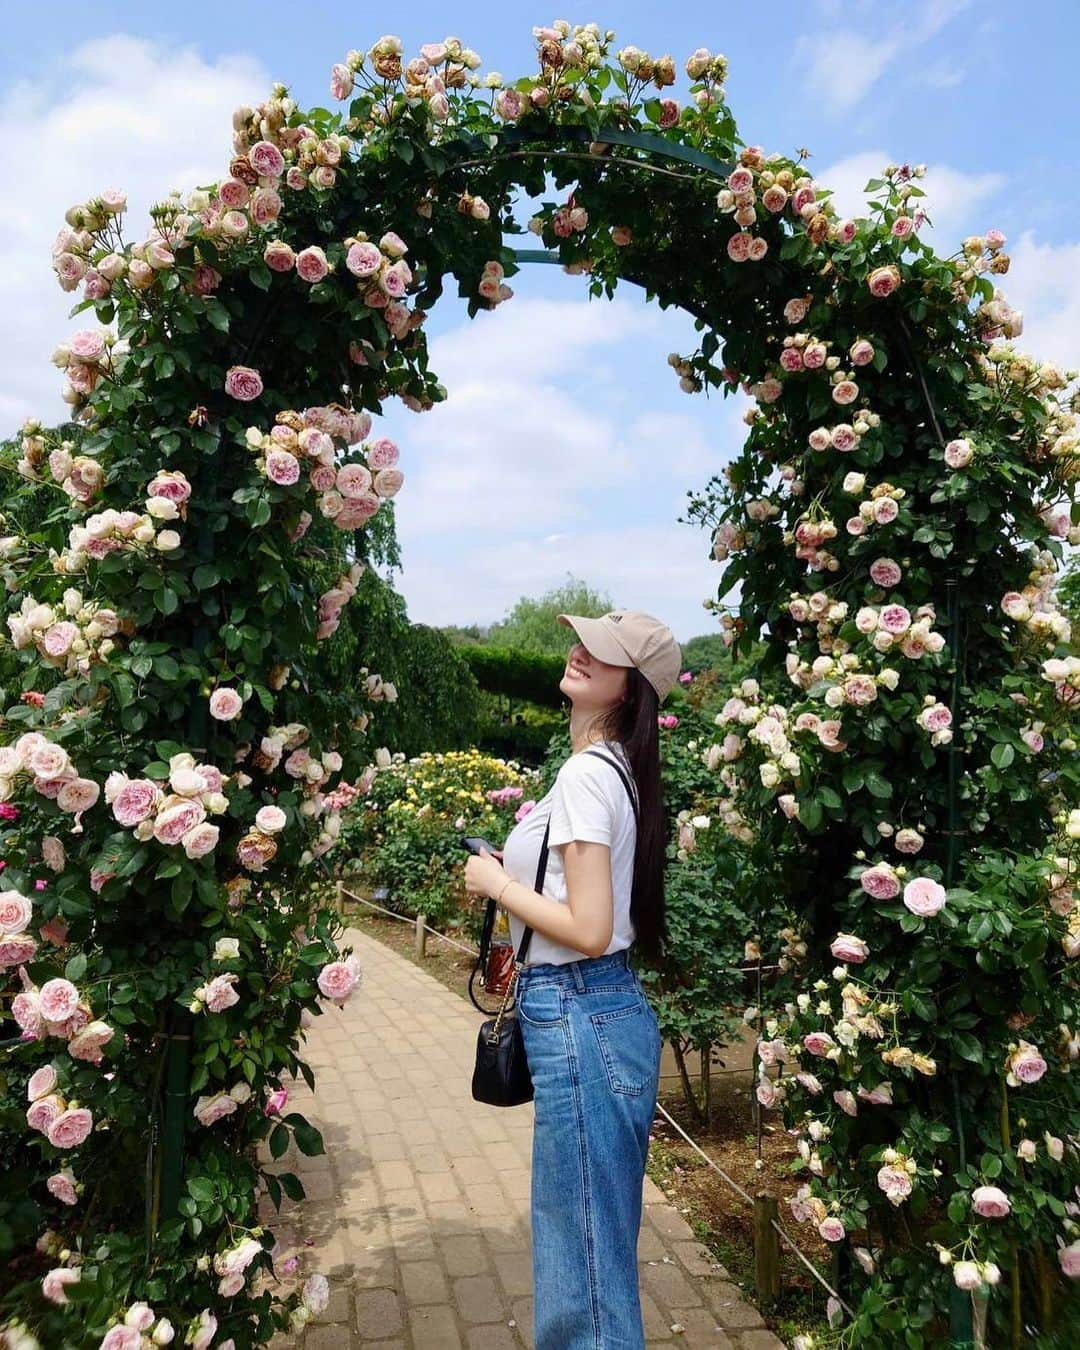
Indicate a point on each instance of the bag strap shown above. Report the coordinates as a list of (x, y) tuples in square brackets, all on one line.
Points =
[(541, 873), (608, 759)]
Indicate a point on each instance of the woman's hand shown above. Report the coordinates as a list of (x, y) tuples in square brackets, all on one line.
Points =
[(484, 874)]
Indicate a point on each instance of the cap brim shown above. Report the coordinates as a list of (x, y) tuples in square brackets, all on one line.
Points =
[(598, 639)]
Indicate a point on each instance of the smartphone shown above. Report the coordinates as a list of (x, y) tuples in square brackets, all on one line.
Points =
[(474, 844)]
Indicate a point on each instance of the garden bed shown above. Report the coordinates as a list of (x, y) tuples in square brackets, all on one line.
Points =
[(719, 1217)]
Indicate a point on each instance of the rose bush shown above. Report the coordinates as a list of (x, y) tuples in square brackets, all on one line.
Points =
[(893, 524)]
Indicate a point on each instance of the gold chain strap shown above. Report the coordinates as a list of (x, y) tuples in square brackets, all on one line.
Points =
[(493, 1034)]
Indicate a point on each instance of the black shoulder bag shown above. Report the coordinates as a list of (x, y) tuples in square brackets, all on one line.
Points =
[(501, 1076)]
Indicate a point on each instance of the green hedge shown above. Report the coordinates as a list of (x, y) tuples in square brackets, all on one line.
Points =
[(517, 674)]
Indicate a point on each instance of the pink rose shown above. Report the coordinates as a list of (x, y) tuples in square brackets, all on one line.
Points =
[(62, 1186), (669, 113), (388, 482), (832, 1230), (990, 1202), (209, 1110), (25, 1009), (791, 360), (895, 619), (86, 1045), (740, 180), (382, 454), (880, 882), (796, 310), (266, 159), (959, 454), (311, 264), (16, 912), (338, 979), (1069, 1260), (282, 468), (924, 897), (861, 352), (860, 690), (172, 823), (234, 193), (220, 994), (845, 1100), (41, 1114), (243, 383), (1033, 740), (205, 279), (265, 206), (52, 1286), (341, 81), (819, 1043), (738, 247), (358, 511), (200, 840), (774, 199), (77, 794), (886, 573), (768, 1093), (170, 484), (1024, 1065), (225, 704), (885, 511), (322, 477), (275, 1103), (902, 226), (41, 1083), (509, 104), (122, 1337), (847, 391), (353, 480), (87, 345), (135, 801), (847, 947), (70, 1128), (877, 1096), (895, 1182), (882, 281), (363, 260), (843, 438), (58, 1000), (279, 256), (814, 356)]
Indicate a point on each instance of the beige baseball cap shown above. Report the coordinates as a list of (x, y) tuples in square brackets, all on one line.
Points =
[(626, 637)]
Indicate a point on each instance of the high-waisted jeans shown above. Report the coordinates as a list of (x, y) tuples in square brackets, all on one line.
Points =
[(593, 1047)]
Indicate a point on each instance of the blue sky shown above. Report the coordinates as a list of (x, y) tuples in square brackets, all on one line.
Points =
[(565, 445)]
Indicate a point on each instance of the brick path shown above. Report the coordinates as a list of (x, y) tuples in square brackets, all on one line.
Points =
[(419, 1212)]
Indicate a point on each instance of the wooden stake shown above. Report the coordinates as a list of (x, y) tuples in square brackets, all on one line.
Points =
[(766, 1249), (420, 945)]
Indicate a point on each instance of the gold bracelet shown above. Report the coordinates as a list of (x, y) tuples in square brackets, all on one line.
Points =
[(505, 886)]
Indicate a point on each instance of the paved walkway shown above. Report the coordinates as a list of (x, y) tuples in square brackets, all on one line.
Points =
[(419, 1212)]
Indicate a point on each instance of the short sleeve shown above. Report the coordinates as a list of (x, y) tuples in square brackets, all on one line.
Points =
[(582, 808)]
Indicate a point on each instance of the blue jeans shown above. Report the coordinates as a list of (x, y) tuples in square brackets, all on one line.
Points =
[(593, 1046)]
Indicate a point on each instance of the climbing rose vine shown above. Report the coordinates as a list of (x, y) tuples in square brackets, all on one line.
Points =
[(172, 761)]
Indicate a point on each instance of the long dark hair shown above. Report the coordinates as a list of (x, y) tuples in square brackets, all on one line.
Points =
[(632, 723)]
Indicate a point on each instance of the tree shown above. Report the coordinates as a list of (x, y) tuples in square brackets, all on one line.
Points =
[(532, 626)]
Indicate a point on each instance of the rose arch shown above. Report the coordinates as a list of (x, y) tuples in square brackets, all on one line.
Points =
[(176, 745)]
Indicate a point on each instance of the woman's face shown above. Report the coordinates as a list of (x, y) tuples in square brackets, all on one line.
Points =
[(592, 685)]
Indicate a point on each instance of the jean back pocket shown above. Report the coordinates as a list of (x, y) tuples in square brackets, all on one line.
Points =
[(627, 1042)]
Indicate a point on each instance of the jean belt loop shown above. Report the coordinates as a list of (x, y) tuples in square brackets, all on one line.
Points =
[(579, 978)]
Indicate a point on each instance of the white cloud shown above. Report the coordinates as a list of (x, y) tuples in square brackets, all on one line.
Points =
[(662, 569), (843, 65), (118, 111), (1044, 281), (951, 195)]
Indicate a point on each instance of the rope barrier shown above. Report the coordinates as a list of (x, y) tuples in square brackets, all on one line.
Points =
[(711, 1162)]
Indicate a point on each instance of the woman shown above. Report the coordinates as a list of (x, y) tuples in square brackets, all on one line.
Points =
[(591, 1038)]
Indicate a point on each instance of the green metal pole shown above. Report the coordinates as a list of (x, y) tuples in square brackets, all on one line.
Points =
[(961, 1327), (178, 1051)]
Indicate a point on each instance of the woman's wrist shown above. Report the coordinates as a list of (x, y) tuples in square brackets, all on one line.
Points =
[(503, 889)]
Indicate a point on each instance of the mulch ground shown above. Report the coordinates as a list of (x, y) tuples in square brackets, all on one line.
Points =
[(720, 1218)]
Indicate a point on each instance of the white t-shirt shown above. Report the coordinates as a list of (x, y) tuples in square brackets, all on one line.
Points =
[(588, 803)]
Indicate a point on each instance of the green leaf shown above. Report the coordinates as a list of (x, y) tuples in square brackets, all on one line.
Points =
[(202, 1188), (75, 968), (308, 1139), (279, 1140), (1002, 756), (878, 786), (218, 315), (292, 1185), (967, 1047)]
